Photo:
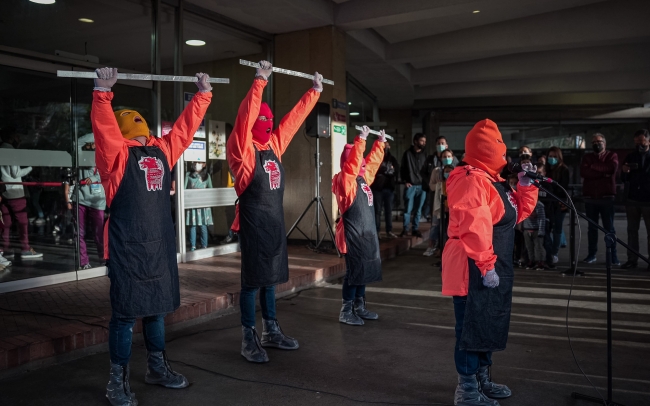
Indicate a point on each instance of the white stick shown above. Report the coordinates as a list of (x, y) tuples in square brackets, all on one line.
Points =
[(285, 71), (375, 132), (138, 76)]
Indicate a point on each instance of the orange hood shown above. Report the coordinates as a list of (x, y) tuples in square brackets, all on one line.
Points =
[(484, 147)]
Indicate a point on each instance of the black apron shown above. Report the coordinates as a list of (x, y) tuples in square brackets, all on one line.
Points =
[(141, 239), (362, 261), (487, 312), (264, 259)]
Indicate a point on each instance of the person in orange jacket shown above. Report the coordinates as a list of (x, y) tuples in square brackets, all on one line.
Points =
[(139, 237), (477, 267), (356, 231), (253, 151)]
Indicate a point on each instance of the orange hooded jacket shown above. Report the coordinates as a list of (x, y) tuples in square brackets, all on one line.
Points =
[(475, 207), (240, 148), (344, 183)]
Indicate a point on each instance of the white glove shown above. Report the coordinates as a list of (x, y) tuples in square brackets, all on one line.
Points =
[(265, 70), (382, 136), (202, 83), (106, 78), (364, 132), (318, 82), (491, 279), (523, 179)]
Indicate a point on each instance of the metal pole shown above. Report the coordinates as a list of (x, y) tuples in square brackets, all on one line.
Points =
[(178, 108), (317, 189), (155, 66)]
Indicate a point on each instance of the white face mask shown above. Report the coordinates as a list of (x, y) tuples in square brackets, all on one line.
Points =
[(198, 167)]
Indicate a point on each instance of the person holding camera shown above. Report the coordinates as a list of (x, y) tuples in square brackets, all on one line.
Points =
[(636, 173)]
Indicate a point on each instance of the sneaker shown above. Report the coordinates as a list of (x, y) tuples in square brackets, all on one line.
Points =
[(555, 259), (590, 259), (428, 252), (540, 266), (87, 266), (8, 254), (404, 233), (391, 234), (193, 249), (629, 265), (31, 254), (615, 261), (39, 221), (551, 266), (4, 261), (531, 265), (416, 233)]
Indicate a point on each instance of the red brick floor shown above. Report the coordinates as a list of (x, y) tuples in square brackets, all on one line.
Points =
[(207, 286)]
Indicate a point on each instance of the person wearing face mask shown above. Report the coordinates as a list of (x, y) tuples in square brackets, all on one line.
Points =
[(477, 267), (14, 203), (198, 178), (436, 184), (434, 161), (139, 236), (356, 237), (598, 170), (254, 152), (557, 170), (636, 173)]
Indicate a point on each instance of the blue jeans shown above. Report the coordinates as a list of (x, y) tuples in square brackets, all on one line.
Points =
[(384, 199), (247, 304), (120, 337), (606, 212), (467, 362), (414, 198), (204, 236), (351, 292)]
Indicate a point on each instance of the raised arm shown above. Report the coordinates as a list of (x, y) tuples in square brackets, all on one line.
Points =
[(293, 120), (374, 159)]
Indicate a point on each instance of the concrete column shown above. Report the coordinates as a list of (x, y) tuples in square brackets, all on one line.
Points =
[(323, 50)]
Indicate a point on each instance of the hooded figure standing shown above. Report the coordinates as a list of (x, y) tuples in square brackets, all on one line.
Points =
[(356, 231), (477, 265), (139, 236), (254, 150)]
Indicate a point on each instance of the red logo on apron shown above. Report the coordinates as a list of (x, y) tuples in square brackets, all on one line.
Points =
[(272, 168), (368, 192), (153, 172)]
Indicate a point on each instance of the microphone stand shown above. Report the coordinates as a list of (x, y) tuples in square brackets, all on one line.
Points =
[(610, 242)]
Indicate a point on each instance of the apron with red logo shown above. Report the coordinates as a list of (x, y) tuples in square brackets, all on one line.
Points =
[(142, 243), (362, 261), (264, 259)]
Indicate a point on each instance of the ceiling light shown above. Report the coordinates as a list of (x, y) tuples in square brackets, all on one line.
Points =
[(43, 1), (349, 103), (354, 113), (195, 42), (476, 11), (86, 20)]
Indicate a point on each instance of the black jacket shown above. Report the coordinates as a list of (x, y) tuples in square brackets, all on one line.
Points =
[(413, 166), (639, 178), (386, 174)]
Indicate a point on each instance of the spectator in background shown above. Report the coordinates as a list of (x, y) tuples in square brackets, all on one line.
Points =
[(434, 161), (598, 170), (525, 153), (437, 186), (635, 171), (383, 190), (520, 255), (555, 212), (412, 168), (14, 204), (534, 230)]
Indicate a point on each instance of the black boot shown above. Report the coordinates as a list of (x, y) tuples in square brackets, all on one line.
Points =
[(361, 311), (469, 394), (159, 372), (348, 316), (118, 390), (489, 388), (251, 348), (272, 336)]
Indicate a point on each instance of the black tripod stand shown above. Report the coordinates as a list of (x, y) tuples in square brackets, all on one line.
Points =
[(318, 200), (610, 242)]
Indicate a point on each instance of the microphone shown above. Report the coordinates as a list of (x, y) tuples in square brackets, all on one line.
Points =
[(515, 167)]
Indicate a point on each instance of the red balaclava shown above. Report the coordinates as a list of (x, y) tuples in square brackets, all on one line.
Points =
[(262, 129), (484, 147), (344, 157)]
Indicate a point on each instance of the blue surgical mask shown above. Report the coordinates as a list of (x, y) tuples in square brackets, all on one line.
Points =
[(446, 174), (552, 161), (447, 161), (441, 148)]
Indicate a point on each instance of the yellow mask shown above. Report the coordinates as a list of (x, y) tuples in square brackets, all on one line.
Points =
[(131, 124)]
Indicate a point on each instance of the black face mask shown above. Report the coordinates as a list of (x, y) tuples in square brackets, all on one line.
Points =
[(598, 147), (642, 148), (525, 156)]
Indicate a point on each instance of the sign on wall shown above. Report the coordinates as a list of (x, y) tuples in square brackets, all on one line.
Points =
[(195, 152), (216, 139)]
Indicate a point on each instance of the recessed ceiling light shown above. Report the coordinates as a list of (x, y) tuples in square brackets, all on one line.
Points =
[(86, 20), (43, 1), (354, 113), (476, 11), (195, 42), (349, 103)]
